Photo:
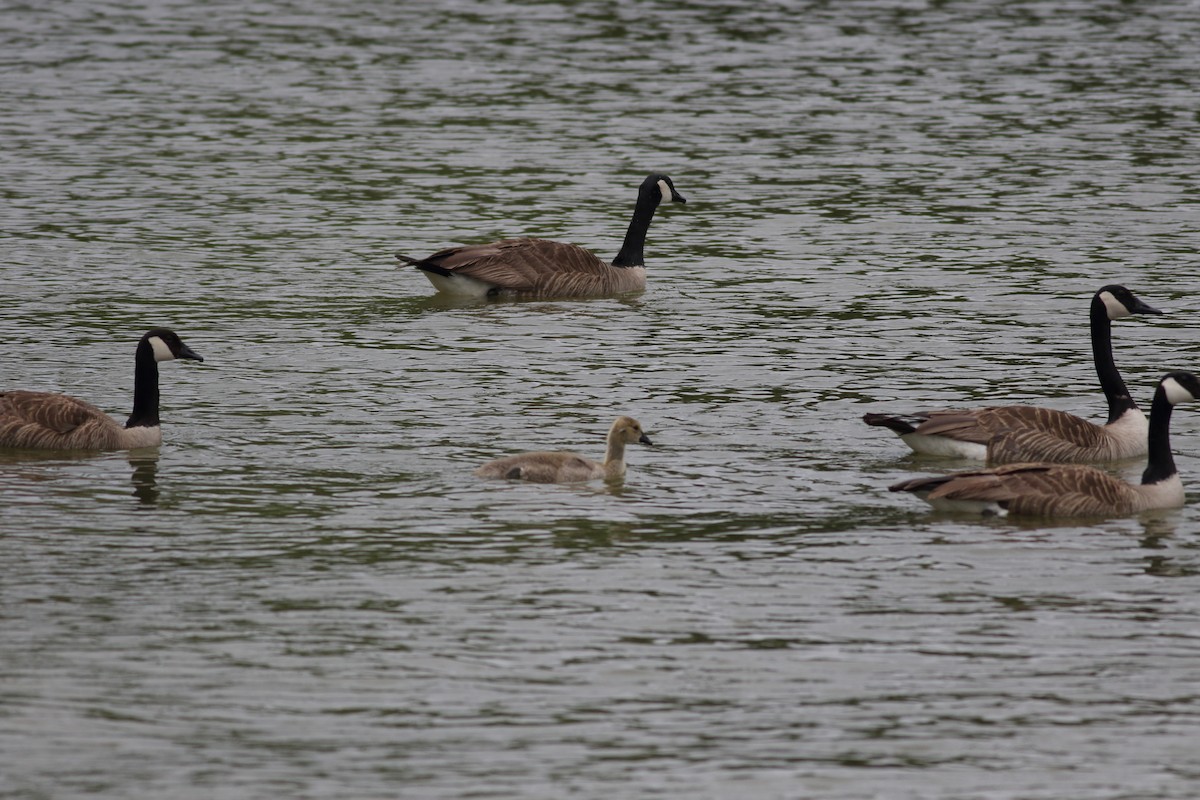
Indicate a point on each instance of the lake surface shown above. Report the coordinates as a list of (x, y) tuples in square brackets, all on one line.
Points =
[(304, 593)]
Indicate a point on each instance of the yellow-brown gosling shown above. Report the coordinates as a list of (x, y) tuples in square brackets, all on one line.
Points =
[(566, 467)]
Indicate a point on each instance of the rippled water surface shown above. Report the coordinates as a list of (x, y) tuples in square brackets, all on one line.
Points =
[(304, 593)]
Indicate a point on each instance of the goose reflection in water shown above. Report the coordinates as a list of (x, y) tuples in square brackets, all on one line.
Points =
[(145, 478)]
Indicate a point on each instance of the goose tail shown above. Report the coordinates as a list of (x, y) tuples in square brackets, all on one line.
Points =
[(424, 266), (900, 423)]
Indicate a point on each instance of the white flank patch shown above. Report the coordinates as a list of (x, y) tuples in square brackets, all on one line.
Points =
[(1116, 309), (161, 351), (942, 446), (1176, 394), (987, 508), (666, 191), (458, 285)]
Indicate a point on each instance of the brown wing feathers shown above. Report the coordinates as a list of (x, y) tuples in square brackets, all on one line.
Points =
[(1011, 433), (981, 424), (537, 266), (47, 420), (1033, 489)]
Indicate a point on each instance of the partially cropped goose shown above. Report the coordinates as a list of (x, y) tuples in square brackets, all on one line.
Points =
[(1070, 490), (564, 467), (48, 421), (543, 268), (1009, 434)]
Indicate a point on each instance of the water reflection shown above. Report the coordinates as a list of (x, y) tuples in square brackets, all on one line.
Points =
[(1168, 567), (145, 476), (1158, 525)]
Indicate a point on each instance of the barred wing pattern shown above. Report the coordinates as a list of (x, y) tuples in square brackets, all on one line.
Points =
[(537, 267), (45, 420), (1021, 444), (1014, 434), (981, 424), (1036, 489)]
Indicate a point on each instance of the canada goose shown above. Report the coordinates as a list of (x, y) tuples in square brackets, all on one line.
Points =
[(49, 421), (1070, 490), (565, 467), (1009, 434), (543, 268)]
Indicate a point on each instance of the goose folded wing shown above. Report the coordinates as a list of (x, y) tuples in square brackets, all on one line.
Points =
[(981, 425), (1037, 489), (52, 412), (963, 426), (1050, 421), (999, 485), (521, 264), (1014, 445)]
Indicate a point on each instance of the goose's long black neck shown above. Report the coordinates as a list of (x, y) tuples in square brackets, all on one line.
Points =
[(1111, 381), (145, 389), (635, 238), (1160, 463)]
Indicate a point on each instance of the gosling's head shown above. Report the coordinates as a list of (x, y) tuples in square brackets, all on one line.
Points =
[(629, 431)]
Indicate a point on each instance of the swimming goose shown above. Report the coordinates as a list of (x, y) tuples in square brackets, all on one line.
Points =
[(1070, 490), (1009, 434), (564, 467), (543, 268), (49, 421)]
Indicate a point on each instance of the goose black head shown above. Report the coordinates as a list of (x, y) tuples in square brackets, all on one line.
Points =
[(1180, 387), (1120, 302), (167, 346), (661, 183)]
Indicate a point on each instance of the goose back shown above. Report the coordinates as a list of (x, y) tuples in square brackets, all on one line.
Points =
[(1012, 434), (1064, 438), (48, 421), (543, 467), (530, 266), (1043, 490)]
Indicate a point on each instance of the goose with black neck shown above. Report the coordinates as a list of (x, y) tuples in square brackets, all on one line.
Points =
[(51, 421), (532, 267)]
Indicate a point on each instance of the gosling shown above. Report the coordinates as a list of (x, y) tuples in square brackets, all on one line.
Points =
[(566, 467)]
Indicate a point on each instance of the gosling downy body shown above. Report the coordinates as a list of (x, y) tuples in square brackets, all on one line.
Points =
[(50, 421), (1012, 434), (566, 467), (1070, 490), (542, 268)]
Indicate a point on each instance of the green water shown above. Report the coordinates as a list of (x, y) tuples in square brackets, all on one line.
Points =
[(304, 593)]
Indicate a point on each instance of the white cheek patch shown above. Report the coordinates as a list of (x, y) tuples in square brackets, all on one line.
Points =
[(161, 351), (666, 191), (1176, 394), (1116, 309)]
